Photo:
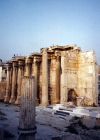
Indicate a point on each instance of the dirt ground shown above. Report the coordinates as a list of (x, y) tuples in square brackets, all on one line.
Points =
[(9, 119)]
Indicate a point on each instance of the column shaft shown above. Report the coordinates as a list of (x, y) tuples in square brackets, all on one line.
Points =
[(14, 81), (64, 88), (8, 86), (58, 80), (44, 78), (36, 82), (27, 113), (19, 85), (28, 62), (27, 69)]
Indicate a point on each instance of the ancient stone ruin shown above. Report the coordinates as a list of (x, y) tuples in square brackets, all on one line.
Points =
[(63, 81), (62, 73)]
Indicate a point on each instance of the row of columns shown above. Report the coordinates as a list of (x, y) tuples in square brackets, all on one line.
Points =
[(21, 65), (23, 68), (15, 80), (45, 100)]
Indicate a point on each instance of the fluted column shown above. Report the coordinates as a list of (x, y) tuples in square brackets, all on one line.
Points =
[(27, 111), (14, 82), (36, 81), (7, 96), (20, 68), (44, 77), (57, 79)]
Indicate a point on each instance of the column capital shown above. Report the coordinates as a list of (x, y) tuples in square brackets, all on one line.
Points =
[(37, 59), (8, 66), (57, 56), (21, 63), (28, 60), (64, 53), (15, 64), (44, 50)]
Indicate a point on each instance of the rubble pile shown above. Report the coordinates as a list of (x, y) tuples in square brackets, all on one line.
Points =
[(56, 119), (71, 122)]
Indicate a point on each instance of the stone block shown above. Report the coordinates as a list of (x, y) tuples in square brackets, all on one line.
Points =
[(98, 116), (70, 136), (98, 122), (68, 118), (89, 122), (76, 114)]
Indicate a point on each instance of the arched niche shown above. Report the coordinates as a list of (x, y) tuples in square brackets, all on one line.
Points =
[(72, 96)]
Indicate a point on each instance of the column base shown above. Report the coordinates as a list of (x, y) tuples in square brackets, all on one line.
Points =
[(6, 99), (63, 102), (17, 102), (56, 102), (44, 104), (36, 102), (12, 99)]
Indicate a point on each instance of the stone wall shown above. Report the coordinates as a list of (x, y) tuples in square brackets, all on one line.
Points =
[(2, 90), (79, 72), (58, 70), (69, 75), (87, 75)]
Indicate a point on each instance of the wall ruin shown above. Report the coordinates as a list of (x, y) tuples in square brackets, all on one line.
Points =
[(57, 70)]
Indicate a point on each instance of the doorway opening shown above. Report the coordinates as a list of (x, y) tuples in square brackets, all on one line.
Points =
[(72, 96)]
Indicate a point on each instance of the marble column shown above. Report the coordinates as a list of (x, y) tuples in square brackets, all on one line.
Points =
[(44, 77), (7, 96), (28, 62), (64, 89), (36, 81), (20, 69), (57, 79), (27, 126), (14, 82)]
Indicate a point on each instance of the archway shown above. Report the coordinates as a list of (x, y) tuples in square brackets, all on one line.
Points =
[(72, 96)]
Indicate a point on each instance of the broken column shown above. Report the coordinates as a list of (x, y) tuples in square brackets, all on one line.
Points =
[(44, 77), (8, 66), (27, 128)]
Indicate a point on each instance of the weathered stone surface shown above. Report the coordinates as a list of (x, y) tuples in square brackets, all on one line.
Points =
[(59, 70), (70, 136), (2, 90), (89, 122), (27, 113)]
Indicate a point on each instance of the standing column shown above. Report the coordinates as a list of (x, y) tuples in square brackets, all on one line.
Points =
[(27, 111), (8, 83), (20, 68), (64, 88), (44, 77), (36, 80), (14, 81), (57, 79), (28, 62)]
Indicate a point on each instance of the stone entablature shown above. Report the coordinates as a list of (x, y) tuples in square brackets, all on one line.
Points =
[(57, 70)]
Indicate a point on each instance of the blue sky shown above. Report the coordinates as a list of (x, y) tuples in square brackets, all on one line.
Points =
[(28, 25)]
